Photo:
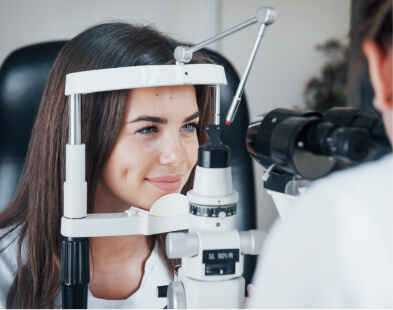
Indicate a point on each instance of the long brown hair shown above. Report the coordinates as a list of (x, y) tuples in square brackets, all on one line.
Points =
[(37, 206)]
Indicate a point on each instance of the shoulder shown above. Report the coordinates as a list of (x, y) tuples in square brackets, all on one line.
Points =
[(373, 177), (357, 196), (156, 274), (337, 244), (350, 208), (8, 261)]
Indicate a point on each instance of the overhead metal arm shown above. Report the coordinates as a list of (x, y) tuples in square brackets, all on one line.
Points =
[(265, 16)]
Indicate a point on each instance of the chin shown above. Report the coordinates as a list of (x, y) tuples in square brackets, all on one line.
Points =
[(154, 194), (148, 204)]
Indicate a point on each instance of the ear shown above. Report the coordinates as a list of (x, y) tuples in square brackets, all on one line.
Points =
[(380, 68)]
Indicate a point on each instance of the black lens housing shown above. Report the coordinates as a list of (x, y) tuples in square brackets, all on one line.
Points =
[(308, 144), (214, 154)]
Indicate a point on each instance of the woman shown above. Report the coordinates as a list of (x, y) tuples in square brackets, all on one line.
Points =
[(140, 145), (337, 250)]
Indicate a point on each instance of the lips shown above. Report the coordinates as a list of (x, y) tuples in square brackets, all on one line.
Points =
[(166, 183)]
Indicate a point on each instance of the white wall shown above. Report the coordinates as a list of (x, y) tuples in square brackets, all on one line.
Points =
[(24, 21), (286, 59)]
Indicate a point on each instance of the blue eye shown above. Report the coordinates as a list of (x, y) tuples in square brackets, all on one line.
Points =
[(190, 127), (148, 130)]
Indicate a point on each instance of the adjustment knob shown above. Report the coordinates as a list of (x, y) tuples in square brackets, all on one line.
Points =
[(176, 296), (180, 245), (222, 214), (251, 241)]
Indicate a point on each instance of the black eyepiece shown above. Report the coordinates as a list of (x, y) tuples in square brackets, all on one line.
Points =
[(308, 144)]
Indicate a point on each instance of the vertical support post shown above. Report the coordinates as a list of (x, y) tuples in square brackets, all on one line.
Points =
[(217, 99), (74, 129), (75, 260), (214, 11), (74, 272), (75, 186)]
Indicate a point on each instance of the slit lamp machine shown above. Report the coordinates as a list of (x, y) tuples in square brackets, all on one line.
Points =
[(295, 148), (212, 252)]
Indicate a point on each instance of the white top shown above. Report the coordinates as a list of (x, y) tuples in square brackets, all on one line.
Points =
[(335, 250), (155, 274)]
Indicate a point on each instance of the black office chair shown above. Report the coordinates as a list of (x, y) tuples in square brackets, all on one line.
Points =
[(23, 77)]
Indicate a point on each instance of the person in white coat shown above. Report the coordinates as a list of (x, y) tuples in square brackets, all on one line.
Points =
[(335, 251)]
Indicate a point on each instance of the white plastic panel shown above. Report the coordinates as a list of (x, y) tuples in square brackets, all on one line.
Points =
[(169, 213), (75, 186), (284, 203), (121, 224), (212, 182), (86, 82), (219, 294), (194, 268)]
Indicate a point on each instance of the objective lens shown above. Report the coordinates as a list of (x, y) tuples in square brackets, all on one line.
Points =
[(348, 145)]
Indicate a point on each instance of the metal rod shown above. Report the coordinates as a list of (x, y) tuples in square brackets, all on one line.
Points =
[(74, 131), (221, 35), (217, 99), (214, 21), (237, 98)]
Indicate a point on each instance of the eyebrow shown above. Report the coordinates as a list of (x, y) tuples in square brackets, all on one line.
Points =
[(159, 120)]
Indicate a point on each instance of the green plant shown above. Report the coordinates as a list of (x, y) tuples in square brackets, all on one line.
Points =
[(329, 90)]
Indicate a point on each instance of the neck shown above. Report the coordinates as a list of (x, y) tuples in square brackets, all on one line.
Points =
[(116, 263), (118, 249)]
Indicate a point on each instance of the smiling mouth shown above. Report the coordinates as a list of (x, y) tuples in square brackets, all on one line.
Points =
[(166, 183)]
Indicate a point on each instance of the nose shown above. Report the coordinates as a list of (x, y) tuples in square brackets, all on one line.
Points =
[(173, 152)]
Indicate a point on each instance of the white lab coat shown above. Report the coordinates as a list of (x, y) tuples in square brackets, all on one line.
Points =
[(335, 250)]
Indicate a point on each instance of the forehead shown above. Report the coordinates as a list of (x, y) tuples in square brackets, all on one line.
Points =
[(162, 100)]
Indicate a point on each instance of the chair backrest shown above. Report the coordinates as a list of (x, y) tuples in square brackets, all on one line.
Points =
[(23, 77)]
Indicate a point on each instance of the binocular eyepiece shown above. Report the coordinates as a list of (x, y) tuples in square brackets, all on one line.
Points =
[(308, 144)]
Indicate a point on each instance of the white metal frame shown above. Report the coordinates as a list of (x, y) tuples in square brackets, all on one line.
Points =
[(143, 76), (76, 222)]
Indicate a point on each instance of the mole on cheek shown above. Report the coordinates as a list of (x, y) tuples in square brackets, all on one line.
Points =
[(170, 98), (156, 94)]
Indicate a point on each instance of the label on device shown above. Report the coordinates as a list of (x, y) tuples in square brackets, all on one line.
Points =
[(220, 256)]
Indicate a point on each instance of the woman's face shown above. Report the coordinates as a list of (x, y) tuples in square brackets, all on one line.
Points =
[(155, 151)]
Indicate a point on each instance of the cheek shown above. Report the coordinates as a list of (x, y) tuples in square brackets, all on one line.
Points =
[(125, 159)]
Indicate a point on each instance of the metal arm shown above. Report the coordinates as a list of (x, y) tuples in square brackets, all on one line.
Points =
[(265, 16), (183, 54), (239, 92)]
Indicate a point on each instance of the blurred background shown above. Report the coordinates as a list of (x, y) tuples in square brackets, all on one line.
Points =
[(294, 58)]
